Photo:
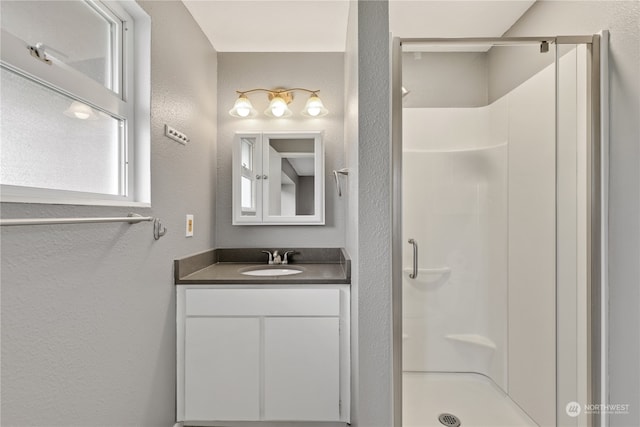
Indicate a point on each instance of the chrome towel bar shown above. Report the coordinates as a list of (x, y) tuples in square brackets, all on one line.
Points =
[(131, 219)]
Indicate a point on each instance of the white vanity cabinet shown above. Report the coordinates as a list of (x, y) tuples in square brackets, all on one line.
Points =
[(263, 353)]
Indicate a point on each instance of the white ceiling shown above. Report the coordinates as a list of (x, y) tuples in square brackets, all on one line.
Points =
[(454, 18), (272, 25), (320, 25)]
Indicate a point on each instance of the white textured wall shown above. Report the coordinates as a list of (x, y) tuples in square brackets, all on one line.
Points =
[(243, 71), (622, 18), (88, 318), (374, 217)]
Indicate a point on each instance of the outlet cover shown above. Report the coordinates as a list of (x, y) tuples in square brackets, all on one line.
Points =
[(189, 226)]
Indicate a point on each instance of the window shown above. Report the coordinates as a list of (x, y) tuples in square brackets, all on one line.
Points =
[(74, 110)]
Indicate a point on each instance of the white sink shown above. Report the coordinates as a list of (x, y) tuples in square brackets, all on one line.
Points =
[(270, 271)]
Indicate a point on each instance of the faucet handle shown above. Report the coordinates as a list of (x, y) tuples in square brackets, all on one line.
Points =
[(270, 256), (285, 260)]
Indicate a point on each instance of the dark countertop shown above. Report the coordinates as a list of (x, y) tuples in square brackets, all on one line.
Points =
[(222, 266)]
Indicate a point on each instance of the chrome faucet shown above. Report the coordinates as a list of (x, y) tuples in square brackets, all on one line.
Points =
[(270, 256), (275, 258), (285, 260)]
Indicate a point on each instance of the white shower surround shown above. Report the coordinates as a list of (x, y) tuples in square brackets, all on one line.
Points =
[(454, 171), (480, 198)]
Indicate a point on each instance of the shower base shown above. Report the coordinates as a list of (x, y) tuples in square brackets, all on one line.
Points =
[(473, 398)]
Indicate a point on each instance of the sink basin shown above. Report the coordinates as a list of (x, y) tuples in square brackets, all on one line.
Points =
[(266, 271)]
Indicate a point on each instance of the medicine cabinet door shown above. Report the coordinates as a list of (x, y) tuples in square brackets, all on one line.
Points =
[(278, 178)]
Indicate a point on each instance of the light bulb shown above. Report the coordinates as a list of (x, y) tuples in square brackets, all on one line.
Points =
[(313, 111), (314, 107), (242, 108), (243, 111), (278, 108)]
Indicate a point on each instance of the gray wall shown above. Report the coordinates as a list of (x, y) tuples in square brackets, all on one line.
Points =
[(350, 193), (304, 195), (510, 66), (622, 18), (88, 318), (439, 79), (243, 71), (373, 241)]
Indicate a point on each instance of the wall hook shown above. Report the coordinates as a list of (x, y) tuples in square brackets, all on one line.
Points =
[(158, 229), (38, 52), (343, 171)]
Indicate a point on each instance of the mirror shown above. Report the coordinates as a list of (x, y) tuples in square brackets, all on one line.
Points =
[(292, 174), (278, 178)]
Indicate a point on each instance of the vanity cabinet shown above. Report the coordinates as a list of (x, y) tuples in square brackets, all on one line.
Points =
[(278, 178), (263, 353)]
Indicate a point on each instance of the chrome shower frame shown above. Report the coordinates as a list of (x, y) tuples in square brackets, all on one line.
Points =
[(597, 181)]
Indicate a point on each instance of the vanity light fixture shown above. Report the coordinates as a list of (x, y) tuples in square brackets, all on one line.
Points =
[(279, 103), (243, 108)]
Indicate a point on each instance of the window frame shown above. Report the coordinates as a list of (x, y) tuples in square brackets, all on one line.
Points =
[(129, 102)]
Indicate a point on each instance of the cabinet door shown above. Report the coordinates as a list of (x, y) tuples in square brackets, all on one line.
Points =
[(301, 369), (222, 368), (247, 178)]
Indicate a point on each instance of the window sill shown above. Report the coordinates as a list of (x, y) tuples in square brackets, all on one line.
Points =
[(73, 201)]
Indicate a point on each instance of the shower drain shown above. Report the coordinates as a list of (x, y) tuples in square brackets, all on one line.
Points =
[(449, 420)]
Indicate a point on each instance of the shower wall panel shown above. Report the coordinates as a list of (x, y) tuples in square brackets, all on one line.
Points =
[(532, 250), (455, 311)]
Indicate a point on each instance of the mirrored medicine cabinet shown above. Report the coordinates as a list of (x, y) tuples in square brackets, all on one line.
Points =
[(278, 178)]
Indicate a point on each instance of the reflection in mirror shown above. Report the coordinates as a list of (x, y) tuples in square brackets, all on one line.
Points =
[(291, 177), (248, 179)]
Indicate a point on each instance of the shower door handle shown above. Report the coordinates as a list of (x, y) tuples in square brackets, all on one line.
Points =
[(415, 259)]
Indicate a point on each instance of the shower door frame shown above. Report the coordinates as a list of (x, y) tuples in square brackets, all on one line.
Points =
[(597, 156)]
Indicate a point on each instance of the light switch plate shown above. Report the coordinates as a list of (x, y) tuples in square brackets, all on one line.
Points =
[(189, 226)]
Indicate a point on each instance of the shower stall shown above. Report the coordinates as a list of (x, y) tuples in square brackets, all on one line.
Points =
[(497, 219)]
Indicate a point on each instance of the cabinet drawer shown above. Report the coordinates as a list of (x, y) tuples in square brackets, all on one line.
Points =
[(262, 302)]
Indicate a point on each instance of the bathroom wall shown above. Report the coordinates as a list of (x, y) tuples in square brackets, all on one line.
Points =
[(373, 241), (622, 19), (242, 71), (88, 318), (506, 73), (444, 79), (350, 186)]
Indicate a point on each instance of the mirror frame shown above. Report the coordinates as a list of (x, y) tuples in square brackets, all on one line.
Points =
[(262, 216)]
